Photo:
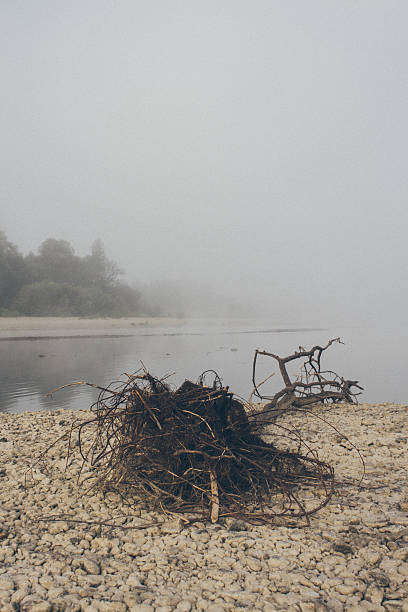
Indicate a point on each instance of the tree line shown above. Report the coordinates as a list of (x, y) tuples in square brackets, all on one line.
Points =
[(57, 282)]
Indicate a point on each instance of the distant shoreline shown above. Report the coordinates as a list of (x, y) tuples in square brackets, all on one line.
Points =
[(40, 325), (49, 328)]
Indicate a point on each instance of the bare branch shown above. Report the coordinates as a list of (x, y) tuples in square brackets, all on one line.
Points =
[(313, 386)]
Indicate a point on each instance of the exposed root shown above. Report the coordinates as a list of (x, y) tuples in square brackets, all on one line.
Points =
[(200, 453), (195, 451)]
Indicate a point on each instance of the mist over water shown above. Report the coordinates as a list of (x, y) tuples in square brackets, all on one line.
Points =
[(32, 368)]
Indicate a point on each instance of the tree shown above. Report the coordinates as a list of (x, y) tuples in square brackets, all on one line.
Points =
[(100, 271), (56, 261), (56, 282), (13, 271), (47, 298)]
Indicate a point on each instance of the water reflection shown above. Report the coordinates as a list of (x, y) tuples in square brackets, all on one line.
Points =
[(31, 368)]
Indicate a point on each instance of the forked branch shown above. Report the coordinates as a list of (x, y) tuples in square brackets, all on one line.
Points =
[(314, 385)]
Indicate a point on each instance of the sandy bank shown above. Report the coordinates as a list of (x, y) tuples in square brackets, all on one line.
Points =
[(25, 326), (353, 556)]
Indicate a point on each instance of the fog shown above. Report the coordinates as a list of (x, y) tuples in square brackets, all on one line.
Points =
[(253, 152)]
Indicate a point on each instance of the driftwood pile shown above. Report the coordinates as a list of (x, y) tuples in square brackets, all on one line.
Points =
[(201, 453)]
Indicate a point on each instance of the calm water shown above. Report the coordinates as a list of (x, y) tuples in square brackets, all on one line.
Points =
[(32, 367)]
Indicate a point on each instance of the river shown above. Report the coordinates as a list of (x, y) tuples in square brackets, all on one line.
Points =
[(31, 365)]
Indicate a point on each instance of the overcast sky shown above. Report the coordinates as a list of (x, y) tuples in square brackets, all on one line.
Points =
[(258, 146)]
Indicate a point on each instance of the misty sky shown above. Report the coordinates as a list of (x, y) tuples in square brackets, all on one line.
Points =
[(259, 147)]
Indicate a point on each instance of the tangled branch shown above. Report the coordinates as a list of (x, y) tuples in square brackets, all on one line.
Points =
[(314, 384), (195, 451), (201, 453)]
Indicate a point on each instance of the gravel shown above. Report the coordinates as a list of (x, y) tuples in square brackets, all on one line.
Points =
[(352, 556)]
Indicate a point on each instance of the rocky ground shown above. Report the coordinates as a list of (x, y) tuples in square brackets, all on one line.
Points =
[(353, 556)]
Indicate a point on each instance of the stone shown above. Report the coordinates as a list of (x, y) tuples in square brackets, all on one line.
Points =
[(276, 562), (134, 582), (300, 566), (173, 526), (131, 600), (47, 582), (401, 553), (55, 593), (92, 580), (131, 549), (112, 606), (6, 583), (372, 557), (237, 525), (306, 606), (380, 578), (393, 604), (69, 603), (4, 533), (346, 589), (320, 606), (35, 604), (286, 601), (403, 504), (343, 548), (374, 594), (334, 605), (57, 527), (90, 566), (18, 596), (375, 521), (102, 544), (254, 564), (184, 606)]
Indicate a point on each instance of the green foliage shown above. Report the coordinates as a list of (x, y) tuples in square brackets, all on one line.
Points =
[(56, 282), (48, 298), (101, 272), (56, 261), (13, 271)]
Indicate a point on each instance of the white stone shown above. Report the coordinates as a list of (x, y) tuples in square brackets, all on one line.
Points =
[(112, 606), (47, 582), (307, 606), (132, 549), (134, 581), (90, 566), (254, 564), (6, 583), (43, 606), (401, 553), (184, 606), (374, 594)]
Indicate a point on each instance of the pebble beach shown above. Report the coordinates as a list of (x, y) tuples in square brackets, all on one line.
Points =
[(62, 549)]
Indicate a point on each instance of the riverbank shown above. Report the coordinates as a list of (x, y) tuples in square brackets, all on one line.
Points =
[(49, 325), (353, 556)]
